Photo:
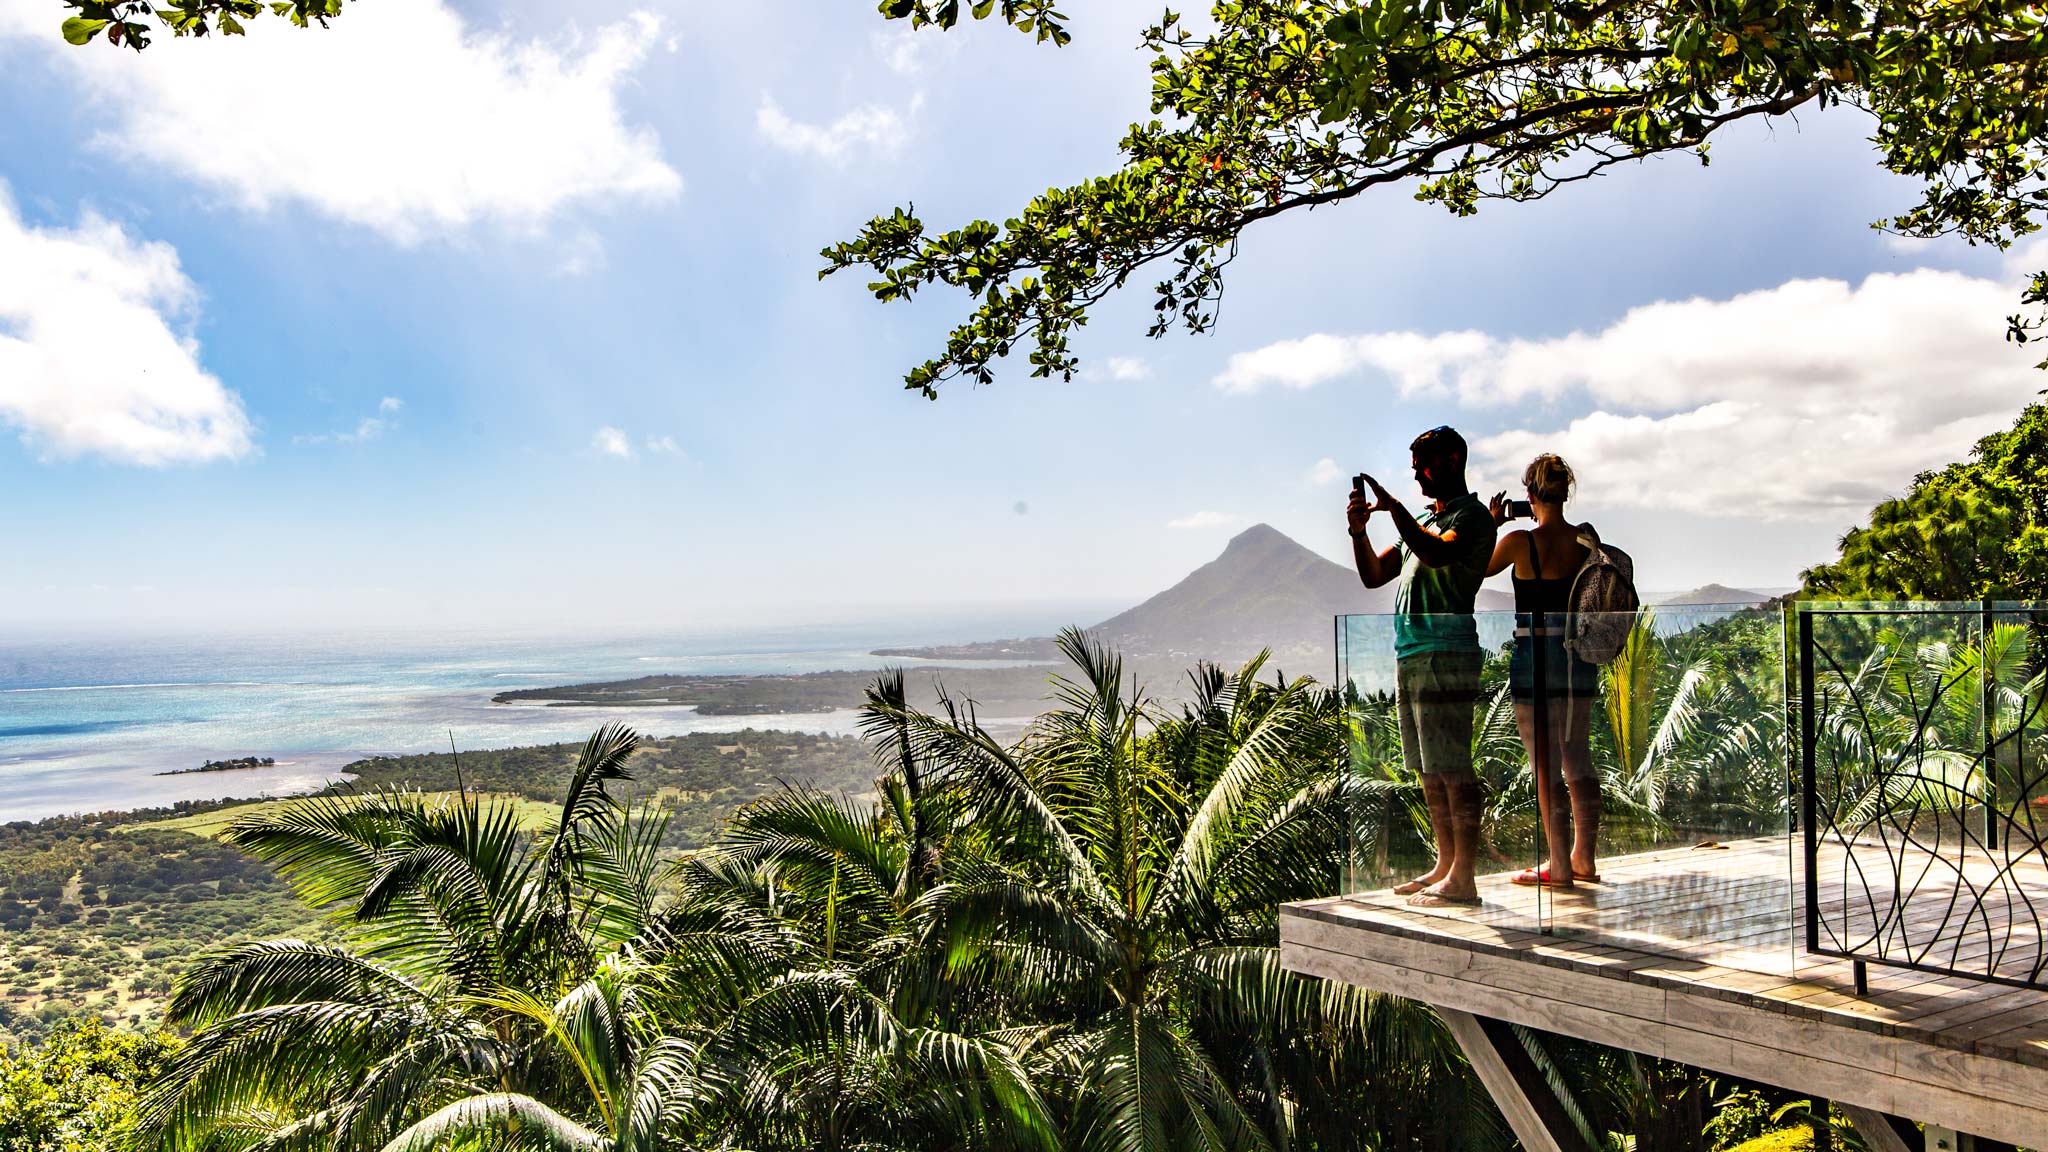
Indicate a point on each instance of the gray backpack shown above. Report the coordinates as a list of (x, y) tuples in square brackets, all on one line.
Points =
[(1603, 602)]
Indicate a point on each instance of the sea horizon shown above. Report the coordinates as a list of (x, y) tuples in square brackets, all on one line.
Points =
[(90, 719)]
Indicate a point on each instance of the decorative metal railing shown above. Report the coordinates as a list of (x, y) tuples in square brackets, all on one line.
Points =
[(1923, 776)]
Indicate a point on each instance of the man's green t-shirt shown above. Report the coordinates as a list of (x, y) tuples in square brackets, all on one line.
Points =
[(1433, 606)]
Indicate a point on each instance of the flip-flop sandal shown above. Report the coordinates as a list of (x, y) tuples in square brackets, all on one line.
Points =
[(1438, 900), (1540, 877), (1585, 877), (1409, 888)]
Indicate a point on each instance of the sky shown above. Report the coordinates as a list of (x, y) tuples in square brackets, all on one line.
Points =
[(508, 315)]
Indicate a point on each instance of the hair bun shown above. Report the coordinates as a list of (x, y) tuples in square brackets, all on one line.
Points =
[(1549, 479)]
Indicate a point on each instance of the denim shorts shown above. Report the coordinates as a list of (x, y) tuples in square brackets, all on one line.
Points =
[(1563, 674)]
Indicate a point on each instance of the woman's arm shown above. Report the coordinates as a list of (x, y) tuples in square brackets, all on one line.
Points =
[(1507, 550)]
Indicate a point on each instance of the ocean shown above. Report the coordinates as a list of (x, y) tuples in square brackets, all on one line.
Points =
[(87, 721)]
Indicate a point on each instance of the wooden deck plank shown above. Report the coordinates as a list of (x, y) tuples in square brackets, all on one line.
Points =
[(1726, 926)]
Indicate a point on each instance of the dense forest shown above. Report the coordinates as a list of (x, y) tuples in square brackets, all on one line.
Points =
[(1011, 691), (99, 913), (700, 777)]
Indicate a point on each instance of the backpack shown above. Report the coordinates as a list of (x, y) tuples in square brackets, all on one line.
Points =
[(1603, 602)]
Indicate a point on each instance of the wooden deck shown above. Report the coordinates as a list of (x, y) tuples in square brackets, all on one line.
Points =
[(1697, 955)]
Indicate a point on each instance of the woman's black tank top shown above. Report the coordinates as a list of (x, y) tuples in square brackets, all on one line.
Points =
[(1541, 596)]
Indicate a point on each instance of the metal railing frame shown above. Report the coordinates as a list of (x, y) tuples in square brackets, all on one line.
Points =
[(1908, 954)]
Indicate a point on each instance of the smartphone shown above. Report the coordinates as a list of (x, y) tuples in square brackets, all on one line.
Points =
[(1520, 510), (1358, 484)]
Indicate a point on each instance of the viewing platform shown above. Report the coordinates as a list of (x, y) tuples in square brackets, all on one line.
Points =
[(1823, 861), (1718, 985)]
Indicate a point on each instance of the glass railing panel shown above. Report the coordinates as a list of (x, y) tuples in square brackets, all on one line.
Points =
[(1897, 725), (1671, 796), (1427, 697)]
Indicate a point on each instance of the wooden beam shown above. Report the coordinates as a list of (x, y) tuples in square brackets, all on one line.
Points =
[(1515, 1083)]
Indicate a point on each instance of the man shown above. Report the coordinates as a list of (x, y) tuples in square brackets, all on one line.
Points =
[(1440, 560)]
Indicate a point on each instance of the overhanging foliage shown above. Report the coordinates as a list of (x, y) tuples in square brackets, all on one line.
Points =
[(1287, 105)]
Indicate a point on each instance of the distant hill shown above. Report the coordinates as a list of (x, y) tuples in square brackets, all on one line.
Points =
[(1264, 591), (1715, 594)]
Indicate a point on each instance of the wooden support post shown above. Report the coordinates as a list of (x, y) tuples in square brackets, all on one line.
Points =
[(1876, 1128), (1514, 1082)]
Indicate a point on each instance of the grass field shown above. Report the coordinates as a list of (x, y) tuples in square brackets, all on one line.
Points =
[(533, 815)]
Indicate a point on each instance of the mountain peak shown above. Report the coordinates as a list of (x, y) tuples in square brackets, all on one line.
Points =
[(1715, 594), (1260, 533), (1264, 590)]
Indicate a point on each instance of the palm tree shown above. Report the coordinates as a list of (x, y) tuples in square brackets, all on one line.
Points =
[(856, 1042), (491, 980), (1118, 919)]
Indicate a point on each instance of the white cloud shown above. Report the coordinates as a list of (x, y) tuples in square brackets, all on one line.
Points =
[(1416, 362), (399, 118), (1813, 398), (610, 441), (1325, 472), (664, 446), (96, 355), (1127, 368), (366, 429), (1205, 519), (869, 128), (582, 253), (904, 49)]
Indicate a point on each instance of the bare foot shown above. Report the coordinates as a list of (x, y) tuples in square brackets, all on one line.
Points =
[(1451, 892), (1438, 900), (1428, 879)]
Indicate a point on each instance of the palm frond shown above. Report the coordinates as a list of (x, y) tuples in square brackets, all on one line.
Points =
[(506, 1121)]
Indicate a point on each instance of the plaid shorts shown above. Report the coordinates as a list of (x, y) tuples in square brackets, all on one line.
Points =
[(1435, 694)]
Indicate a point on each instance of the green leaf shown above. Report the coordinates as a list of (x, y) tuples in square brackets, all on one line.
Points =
[(80, 31)]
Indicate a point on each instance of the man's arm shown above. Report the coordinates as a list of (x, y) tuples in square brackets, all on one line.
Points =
[(1375, 567), (1433, 550)]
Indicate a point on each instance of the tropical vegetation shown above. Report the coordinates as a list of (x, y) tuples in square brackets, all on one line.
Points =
[(1066, 940), (77, 1091), (1974, 530)]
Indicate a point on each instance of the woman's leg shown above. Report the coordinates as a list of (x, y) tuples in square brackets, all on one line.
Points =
[(1584, 784), (1543, 766)]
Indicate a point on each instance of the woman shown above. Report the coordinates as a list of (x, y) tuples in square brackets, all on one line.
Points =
[(1545, 558)]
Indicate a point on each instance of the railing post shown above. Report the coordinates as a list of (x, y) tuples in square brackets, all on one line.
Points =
[(1809, 801), (1990, 705), (1346, 861), (1539, 755)]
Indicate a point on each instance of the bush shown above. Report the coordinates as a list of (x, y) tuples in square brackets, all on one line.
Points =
[(1798, 1139), (77, 1090)]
